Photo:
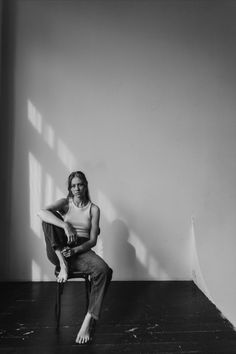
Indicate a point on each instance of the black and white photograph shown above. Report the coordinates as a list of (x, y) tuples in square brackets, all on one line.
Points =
[(118, 176)]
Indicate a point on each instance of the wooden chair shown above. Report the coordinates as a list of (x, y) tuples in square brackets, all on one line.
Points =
[(71, 275)]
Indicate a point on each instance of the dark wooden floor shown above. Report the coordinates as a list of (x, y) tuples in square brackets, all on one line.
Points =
[(138, 317)]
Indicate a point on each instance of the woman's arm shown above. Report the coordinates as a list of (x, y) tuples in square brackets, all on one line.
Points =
[(47, 214), (94, 232)]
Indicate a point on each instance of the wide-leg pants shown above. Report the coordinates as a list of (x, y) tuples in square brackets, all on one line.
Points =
[(88, 262)]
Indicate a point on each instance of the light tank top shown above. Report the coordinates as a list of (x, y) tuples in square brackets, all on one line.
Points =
[(79, 218)]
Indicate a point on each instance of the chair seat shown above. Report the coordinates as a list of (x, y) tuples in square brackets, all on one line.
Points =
[(73, 274)]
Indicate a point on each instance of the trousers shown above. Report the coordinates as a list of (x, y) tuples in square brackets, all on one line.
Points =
[(88, 262)]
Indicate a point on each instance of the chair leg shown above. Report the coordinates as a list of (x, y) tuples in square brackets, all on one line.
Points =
[(88, 290), (60, 287)]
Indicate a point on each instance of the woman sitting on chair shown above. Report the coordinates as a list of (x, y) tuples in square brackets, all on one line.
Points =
[(71, 228)]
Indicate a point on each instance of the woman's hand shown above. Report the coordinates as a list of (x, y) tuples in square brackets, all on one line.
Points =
[(68, 252), (70, 232)]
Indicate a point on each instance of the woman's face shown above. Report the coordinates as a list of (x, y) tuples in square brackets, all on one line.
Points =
[(78, 188)]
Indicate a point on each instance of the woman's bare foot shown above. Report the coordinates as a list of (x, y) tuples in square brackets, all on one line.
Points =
[(63, 274), (83, 335)]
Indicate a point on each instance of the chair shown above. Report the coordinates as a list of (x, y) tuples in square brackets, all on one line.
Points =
[(71, 275), (60, 287)]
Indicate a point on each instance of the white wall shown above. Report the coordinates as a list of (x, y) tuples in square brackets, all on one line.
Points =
[(141, 97)]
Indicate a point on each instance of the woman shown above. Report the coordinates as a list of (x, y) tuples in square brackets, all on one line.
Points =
[(71, 228)]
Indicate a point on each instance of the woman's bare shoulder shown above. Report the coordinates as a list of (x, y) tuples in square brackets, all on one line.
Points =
[(60, 205), (94, 208)]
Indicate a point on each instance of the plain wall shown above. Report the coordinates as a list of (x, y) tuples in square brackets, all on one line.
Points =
[(140, 95)]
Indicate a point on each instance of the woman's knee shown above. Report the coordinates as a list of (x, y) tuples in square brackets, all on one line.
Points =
[(105, 271)]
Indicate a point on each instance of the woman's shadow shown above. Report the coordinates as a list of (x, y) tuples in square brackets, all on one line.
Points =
[(120, 254)]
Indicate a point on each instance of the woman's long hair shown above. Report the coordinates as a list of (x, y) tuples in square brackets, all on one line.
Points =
[(82, 177)]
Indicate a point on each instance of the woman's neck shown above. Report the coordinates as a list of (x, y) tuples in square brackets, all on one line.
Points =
[(79, 202)]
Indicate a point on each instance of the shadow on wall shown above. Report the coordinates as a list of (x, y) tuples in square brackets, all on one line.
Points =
[(118, 251)]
